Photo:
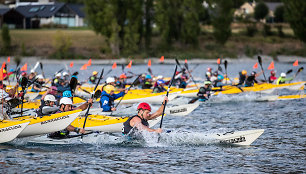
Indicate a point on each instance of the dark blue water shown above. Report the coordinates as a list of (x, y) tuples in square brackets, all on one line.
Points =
[(280, 149)]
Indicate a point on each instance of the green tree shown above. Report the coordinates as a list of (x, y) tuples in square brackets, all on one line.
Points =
[(107, 18), (222, 17), (6, 39), (190, 24), (61, 43), (133, 27), (295, 11), (279, 14), (261, 11), (149, 10)]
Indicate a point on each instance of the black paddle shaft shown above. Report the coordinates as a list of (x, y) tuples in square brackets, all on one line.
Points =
[(92, 95), (161, 121), (178, 63)]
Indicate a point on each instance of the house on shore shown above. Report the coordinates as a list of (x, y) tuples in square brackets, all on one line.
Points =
[(35, 15)]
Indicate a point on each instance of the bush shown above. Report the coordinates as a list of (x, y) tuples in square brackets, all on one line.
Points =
[(6, 40), (280, 31), (61, 43), (267, 30), (251, 30), (249, 51)]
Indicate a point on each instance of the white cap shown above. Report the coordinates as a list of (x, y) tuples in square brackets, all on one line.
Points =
[(283, 74), (49, 97), (110, 80), (65, 73), (66, 101), (32, 71), (39, 76), (58, 75)]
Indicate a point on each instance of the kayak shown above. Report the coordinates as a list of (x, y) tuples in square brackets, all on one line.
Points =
[(241, 138), (10, 129), (263, 87), (47, 124), (155, 98), (106, 123), (244, 138), (182, 110), (283, 97)]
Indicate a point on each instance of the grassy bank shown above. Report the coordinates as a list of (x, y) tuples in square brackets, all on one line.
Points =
[(85, 43)]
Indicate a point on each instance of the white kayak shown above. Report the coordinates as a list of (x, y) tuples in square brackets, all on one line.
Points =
[(156, 99), (10, 129), (182, 110), (48, 124), (244, 138)]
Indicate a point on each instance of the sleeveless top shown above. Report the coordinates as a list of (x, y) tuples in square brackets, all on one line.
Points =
[(127, 126)]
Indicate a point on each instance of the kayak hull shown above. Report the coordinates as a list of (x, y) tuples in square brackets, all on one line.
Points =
[(48, 124), (10, 129)]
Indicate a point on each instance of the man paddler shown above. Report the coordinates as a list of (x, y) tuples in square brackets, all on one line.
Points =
[(139, 122)]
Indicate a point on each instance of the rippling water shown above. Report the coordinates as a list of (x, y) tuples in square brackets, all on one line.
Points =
[(280, 149)]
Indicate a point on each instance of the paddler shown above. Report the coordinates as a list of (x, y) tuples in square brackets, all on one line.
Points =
[(272, 77), (160, 86), (92, 79), (204, 92), (251, 79), (282, 79), (37, 85), (139, 122), (108, 97), (242, 78), (65, 106), (48, 106), (147, 84), (121, 82), (208, 73)]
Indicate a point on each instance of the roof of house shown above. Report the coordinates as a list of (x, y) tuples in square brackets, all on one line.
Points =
[(77, 8), (3, 11), (43, 10)]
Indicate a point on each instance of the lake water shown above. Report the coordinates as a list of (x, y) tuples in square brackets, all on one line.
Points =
[(280, 149)]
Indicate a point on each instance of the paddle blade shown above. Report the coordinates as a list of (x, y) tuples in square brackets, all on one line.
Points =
[(24, 82), (73, 83), (289, 71), (122, 67), (150, 71), (301, 69), (259, 60), (193, 100), (186, 65), (225, 64), (97, 94), (41, 66)]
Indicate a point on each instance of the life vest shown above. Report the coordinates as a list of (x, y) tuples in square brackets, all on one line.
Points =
[(127, 126)]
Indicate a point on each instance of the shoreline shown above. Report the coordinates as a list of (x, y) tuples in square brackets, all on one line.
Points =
[(154, 60)]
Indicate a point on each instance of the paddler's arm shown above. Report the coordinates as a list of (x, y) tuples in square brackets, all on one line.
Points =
[(136, 122), (12, 92), (85, 105), (159, 111)]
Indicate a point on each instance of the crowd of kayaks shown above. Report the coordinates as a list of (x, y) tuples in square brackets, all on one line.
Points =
[(28, 125)]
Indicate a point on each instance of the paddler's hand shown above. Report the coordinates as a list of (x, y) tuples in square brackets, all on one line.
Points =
[(82, 131), (90, 101), (159, 130), (165, 99), (113, 109), (126, 91)]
